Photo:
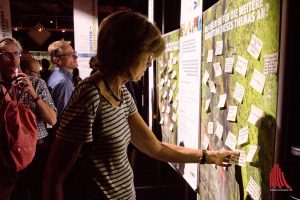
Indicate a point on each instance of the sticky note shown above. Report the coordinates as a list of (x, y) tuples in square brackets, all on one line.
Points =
[(173, 75), (230, 140), (210, 55), (174, 117), (217, 69), (243, 135), (222, 100), (161, 121), (168, 109), (232, 111), (210, 128), (253, 189), (229, 64), (205, 77), (255, 115), (175, 104), (258, 81), (238, 93), (205, 142), (212, 86), (238, 160), (219, 47), (219, 130), (271, 63), (171, 127), (241, 65), (255, 46), (252, 152)]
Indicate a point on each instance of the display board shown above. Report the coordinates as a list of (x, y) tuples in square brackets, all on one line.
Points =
[(239, 95), (189, 82), (167, 87)]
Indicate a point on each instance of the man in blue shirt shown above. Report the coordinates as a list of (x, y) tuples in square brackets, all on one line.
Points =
[(60, 82)]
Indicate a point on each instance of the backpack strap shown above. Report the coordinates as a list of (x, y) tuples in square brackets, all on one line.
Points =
[(4, 94)]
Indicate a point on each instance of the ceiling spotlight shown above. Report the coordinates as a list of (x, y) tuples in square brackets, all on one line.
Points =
[(16, 28), (51, 22), (63, 30)]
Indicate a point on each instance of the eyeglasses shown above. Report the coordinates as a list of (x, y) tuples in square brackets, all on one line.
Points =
[(34, 73), (67, 54), (9, 55)]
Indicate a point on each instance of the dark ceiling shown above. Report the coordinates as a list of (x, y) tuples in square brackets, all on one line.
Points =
[(57, 15)]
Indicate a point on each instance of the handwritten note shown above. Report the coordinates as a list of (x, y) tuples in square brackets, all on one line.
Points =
[(219, 130), (243, 135), (212, 86), (229, 64), (255, 115), (252, 152), (210, 54), (253, 189), (161, 121), (171, 127), (174, 85), (241, 65), (219, 47), (174, 60), (271, 63), (205, 142), (218, 69), (205, 77), (210, 128), (238, 160), (175, 104), (173, 75), (232, 111), (258, 81), (230, 140), (238, 93), (222, 100), (255, 46), (168, 109), (174, 117)]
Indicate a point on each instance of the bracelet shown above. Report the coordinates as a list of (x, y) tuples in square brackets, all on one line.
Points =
[(36, 99), (203, 157)]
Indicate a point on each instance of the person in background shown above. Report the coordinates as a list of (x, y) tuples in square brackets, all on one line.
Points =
[(101, 118), (93, 64), (27, 183), (76, 77), (60, 82), (45, 72), (30, 66)]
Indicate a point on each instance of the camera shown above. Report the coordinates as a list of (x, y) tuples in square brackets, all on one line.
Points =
[(21, 84)]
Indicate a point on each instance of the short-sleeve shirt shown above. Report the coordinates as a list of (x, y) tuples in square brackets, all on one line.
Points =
[(106, 168), (42, 90)]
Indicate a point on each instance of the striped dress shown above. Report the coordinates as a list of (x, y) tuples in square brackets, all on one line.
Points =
[(105, 168)]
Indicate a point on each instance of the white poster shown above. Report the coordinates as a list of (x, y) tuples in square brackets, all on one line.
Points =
[(5, 19), (190, 82), (85, 33)]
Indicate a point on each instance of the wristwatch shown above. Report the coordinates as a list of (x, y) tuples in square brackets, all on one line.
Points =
[(203, 157)]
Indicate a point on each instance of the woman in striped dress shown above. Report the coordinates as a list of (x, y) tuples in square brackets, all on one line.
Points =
[(101, 118)]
